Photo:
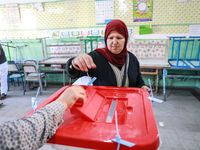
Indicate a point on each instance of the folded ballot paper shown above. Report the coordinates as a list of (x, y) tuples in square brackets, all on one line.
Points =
[(82, 80)]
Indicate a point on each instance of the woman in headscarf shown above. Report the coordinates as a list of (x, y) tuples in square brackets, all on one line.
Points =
[(112, 65)]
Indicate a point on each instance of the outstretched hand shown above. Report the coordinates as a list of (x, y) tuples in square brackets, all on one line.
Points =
[(71, 94), (83, 62), (146, 88)]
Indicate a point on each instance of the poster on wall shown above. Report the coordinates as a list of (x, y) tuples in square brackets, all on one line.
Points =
[(142, 10), (38, 7), (12, 14), (104, 11)]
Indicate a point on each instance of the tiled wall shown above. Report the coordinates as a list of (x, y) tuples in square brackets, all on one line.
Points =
[(81, 14), (169, 16)]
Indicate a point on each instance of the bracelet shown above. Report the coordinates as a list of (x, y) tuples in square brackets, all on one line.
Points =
[(76, 67)]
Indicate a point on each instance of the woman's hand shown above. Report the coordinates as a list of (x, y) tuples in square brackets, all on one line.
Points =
[(83, 62), (71, 94), (146, 88)]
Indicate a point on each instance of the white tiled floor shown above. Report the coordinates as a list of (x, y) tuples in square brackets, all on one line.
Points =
[(177, 118), (180, 116)]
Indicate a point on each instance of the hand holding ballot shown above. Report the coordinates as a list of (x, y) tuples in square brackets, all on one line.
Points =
[(83, 62), (42, 124), (70, 95)]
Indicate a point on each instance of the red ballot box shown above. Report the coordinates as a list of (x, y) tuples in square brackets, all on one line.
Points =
[(93, 124)]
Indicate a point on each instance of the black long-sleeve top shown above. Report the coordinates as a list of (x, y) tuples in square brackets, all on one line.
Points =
[(2, 55), (105, 74)]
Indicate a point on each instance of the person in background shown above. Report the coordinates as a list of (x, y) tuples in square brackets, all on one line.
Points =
[(3, 74), (112, 65), (31, 132)]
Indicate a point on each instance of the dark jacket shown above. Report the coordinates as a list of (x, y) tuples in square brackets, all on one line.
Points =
[(2, 55), (105, 74)]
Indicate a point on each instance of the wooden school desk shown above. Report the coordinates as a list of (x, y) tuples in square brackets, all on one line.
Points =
[(54, 61)]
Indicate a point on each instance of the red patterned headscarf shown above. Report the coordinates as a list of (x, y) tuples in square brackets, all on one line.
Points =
[(115, 59)]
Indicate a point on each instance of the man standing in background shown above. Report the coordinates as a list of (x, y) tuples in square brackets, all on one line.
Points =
[(3, 74)]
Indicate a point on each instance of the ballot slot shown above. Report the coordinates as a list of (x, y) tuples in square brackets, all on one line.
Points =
[(119, 105), (111, 111), (101, 104), (92, 106)]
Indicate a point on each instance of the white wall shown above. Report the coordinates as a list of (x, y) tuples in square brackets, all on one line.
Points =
[(160, 36), (2, 2)]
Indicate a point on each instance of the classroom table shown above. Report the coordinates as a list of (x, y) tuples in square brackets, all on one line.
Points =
[(54, 61), (148, 70), (166, 74)]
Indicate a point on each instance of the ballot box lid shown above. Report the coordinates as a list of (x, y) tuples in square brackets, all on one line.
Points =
[(93, 124)]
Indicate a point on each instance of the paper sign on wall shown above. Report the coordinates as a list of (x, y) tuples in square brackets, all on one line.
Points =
[(85, 32), (38, 7), (145, 29), (104, 11), (194, 29), (64, 34)]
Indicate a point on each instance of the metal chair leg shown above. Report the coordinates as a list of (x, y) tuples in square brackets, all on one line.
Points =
[(24, 87), (45, 82), (40, 84), (22, 83), (8, 84)]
